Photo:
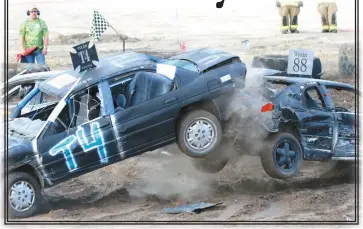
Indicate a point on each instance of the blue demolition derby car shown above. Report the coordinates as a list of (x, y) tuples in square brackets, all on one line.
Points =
[(127, 105)]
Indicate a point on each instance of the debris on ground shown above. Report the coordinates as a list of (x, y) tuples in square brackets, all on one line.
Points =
[(191, 208)]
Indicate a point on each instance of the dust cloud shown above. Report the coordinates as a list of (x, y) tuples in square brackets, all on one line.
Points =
[(173, 178)]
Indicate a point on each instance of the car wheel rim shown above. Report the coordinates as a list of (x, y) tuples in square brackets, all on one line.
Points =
[(286, 156), (200, 134), (22, 196)]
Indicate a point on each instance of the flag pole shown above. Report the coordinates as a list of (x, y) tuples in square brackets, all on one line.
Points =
[(123, 38)]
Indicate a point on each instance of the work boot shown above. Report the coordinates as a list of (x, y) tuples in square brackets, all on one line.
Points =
[(325, 31), (333, 31), (295, 31), (284, 31)]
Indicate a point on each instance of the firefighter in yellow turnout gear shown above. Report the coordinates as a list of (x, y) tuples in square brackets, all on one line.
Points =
[(289, 12), (328, 10)]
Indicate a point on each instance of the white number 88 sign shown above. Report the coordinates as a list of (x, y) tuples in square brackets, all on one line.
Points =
[(300, 62)]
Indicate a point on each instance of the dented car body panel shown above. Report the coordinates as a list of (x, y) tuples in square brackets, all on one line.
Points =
[(140, 103), (324, 131)]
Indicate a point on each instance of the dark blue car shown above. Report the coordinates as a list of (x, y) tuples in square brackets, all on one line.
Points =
[(129, 104)]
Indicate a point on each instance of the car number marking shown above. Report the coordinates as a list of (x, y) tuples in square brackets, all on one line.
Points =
[(64, 146), (97, 142)]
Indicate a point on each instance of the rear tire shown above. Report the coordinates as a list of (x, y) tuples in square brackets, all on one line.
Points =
[(283, 157), (209, 165), (209, 159), (24, 191), (217, 160), (199, 133)]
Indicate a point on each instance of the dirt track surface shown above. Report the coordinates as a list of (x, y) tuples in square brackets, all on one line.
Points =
[(139, 188)]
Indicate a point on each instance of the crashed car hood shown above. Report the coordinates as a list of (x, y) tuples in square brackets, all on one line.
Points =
[(16, 147), (19, 152), (24, 128), (204, 58), (15, 142)]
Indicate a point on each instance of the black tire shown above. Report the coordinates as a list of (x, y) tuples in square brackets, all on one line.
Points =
[(270, 156), (276, 62), (209, 119), (37, 199), (280, 63), (209, 165)]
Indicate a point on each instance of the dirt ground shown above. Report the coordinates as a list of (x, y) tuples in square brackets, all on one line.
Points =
[(139, 188)]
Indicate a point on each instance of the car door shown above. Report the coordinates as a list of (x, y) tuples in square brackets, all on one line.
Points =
[(344, 134), (316, 123), (149, 124), (79, 145)]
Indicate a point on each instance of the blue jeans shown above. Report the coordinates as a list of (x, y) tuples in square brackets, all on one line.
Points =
[(38, 55)]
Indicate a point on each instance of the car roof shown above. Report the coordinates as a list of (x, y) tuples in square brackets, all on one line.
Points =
[(204, 58), (107, 67), (301, 80)]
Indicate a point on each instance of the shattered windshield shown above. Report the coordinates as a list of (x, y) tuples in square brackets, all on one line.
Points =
[(80, 108), (31, 113)]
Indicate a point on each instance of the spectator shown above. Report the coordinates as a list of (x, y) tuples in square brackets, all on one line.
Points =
[(33, 33)]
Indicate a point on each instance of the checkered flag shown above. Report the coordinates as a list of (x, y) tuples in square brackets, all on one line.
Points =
[(99, 25)]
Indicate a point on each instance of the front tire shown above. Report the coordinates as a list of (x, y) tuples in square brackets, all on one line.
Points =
[(283, 157), (24, 195)]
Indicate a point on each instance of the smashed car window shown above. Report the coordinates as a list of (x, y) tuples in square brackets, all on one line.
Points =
[(313, 98), (343, 100), (118, 91), (62, 123), (32, 117), (87, 105), (46, 98), (35, 105)]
